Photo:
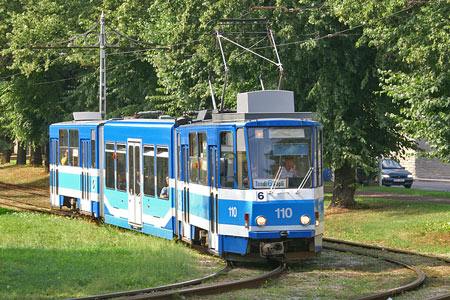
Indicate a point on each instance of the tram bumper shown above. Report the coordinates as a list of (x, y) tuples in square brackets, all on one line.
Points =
[(281, 234), (270, 249), (285, 245)]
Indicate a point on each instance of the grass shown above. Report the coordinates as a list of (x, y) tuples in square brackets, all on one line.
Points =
[(47, 257), (416, 226), (43, 257), (26, 175)]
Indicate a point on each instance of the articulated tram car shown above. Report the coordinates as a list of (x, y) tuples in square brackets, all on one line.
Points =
[(247, 185)]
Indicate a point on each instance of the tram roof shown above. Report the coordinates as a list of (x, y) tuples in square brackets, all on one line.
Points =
[(76, 123), (230, 117), (141, 121)]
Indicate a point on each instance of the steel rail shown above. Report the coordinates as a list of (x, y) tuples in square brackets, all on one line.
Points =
[(159, 288), (34, 208), (392, 250), (331, 240), (217, 288), (394, 291), (23, 208), (25, 203), (24, 188)]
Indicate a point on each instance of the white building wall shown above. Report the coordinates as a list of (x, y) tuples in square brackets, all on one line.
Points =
[(424, 168)]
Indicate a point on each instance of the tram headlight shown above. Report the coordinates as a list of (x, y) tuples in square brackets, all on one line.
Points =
[(305, 220), (261, 221)]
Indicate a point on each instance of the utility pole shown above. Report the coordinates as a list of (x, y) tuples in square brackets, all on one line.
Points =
[(100, 41), (102, 94)]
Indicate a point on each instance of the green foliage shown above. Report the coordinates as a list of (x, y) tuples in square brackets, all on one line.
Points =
[(331, 76), (41, 87), (349, 78), (412, 41)]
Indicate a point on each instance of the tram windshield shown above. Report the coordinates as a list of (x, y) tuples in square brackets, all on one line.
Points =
[(280, 155)]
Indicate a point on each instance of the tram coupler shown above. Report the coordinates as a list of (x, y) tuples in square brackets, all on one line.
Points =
[(270, 249)]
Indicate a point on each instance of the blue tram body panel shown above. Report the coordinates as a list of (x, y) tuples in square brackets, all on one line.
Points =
[(244, 186), (74, 181), (131, 205)]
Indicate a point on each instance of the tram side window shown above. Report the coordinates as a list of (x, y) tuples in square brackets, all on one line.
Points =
[(121, 158), (74, 147), (162, 172), (226, 168), (109, 165), (241, 163), (149, 171), (193, 157), (319, 166), (203, 158), (64, 147), (137, 177), (178, 156), (93, 153)]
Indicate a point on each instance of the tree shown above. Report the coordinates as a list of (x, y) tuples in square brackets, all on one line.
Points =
[(46, 86), (412, 41), (329, 75), (5, 149)]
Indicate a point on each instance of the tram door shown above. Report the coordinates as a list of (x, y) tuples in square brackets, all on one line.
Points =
[(213, 235), (54, 199), (85, 177), (134, 178), (185, 192)]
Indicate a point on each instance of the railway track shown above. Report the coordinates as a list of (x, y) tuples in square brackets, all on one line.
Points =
[(24, 206), (330, 240), (211, 289), (12, 201), (355, 248), (28, 189), (159, 288), (186, 289)]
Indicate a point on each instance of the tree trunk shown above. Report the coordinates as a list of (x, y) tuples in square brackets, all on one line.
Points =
[(21, 154), (36, 156), (344, 187), (6, 155)]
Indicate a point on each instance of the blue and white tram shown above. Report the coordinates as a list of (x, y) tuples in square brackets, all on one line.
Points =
[(246, 185), (74, 164)]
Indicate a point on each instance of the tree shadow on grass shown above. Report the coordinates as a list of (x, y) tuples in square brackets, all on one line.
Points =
[(40, 183), (4, 211), (8, 166)]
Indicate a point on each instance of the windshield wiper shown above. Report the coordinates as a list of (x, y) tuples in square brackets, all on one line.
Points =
[(303, 183), (276, 179)]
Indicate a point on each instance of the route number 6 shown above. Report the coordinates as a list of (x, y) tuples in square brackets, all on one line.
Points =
[(261, 196)]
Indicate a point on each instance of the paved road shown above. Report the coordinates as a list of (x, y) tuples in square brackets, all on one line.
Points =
[(429, 185)]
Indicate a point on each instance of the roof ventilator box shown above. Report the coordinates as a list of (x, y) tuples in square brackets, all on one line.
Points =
[(87, 116), (266, 101)]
